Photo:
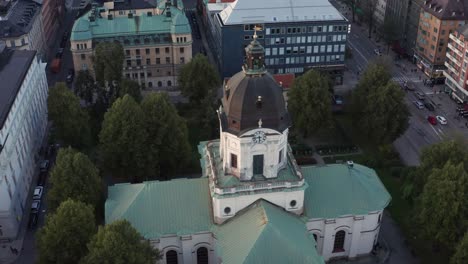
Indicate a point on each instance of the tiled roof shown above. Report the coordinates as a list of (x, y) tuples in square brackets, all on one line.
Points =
[(265, 233), (336, 190), (273, 11), (447, 9), (157, 209), (143, 24)]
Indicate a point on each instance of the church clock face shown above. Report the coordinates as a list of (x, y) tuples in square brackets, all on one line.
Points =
[(259, 137)]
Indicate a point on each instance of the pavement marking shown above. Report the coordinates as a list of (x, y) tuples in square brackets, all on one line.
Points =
[(435, 131), (364, 57)]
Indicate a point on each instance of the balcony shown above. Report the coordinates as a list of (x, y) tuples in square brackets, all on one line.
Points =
[(454, 49), (451, 68), (459, 42), (453, 59)]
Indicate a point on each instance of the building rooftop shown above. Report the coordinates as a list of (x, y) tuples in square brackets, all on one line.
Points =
[(273, 11), (14, 66), (103, 27), (463, 30), (338, 190), (19, 19), (447, 9), (265, 233)]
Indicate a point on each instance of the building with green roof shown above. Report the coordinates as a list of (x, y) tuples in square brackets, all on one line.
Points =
[(253, 203), (156, 40)]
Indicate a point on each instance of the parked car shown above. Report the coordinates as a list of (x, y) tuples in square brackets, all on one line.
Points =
[(432, 120), (442, 120), (420, 95), (44, 166), (33, 217), (42, 179), (419, 104), (35, 206), (429, 106), (38, 192)]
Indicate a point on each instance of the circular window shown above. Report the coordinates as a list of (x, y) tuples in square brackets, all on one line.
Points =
[(227, 210), (293, 203)]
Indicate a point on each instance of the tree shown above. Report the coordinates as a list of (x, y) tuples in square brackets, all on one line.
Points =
[(461, 253), (443, 210), (85, 86), (390, 32), (369, 7), (69, 119), (435, 157), (131, 88), (123, 139), (379, 103), (167, 132), (75, 177), (120, 243), (309, 102), (352, 5), (63, 238), (108, 60), (198, 79)]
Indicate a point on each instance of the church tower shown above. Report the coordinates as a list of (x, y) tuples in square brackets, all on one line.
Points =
[(252, 160)]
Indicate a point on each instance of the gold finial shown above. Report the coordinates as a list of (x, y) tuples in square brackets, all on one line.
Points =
[(255, 32)]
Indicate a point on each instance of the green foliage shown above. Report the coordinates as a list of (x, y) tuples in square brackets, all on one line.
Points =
[(443, 210), (131, 88), (168, 146), (69, 119), (390, 32), (198, 79), (309, 102), (108, 60), (123, 139), (85, 86), (63, 238), (74, 177), (120, 243), (461, 253), (434, 157), (379, 103)]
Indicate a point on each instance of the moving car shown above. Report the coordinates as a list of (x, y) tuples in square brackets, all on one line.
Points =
[(418, 104), (38, 192), (44, 165), (429, 106), (35, 206), (442, 120), (70, 75), (432, 120), (420, 95)]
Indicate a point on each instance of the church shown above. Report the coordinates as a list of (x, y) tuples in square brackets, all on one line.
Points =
[(253, 203)]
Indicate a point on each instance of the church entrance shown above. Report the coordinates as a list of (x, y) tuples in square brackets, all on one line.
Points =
[(258, 164)]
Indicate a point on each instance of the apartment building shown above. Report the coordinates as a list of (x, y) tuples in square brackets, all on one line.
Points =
[(438, 18), (156, 41), (456, 63), (297, 35), (23, 121), (21, 27), (52, 16)]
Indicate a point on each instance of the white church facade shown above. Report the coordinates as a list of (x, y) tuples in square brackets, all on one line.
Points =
[(253, 203)]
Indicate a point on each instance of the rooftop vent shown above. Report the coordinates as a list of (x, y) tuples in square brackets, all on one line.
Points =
[(150, 14), (130, 15), (350, 163)]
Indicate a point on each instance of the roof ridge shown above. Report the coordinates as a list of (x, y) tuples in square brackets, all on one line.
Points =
[(126, 203)]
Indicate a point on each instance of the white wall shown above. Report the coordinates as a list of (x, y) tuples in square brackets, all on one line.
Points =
[(361, 234), (22, 135)]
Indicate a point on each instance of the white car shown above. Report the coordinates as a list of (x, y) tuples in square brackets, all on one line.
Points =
[(377, 52), (38, 193), (35, 206), (441, 120)]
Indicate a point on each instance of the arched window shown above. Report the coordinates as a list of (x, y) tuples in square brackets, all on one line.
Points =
[(338, 246), (169, 83), (315, 237), (202, 255), (159, 84), (171, 257), (150, 84)]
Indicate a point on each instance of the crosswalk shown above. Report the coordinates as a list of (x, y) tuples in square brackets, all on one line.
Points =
[(402, 79)]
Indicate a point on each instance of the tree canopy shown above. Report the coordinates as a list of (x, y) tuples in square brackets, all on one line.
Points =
[(123, 139), (167, 134), (120, 243), (85, 86), (198, 79), (443, 210), (379, 103), (70, 121), (131, 88), (390, 32), (63, 238), (461, 253), (108, 60), (309, 102), (75, 177)]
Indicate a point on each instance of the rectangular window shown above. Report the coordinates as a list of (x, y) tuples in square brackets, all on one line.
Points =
[(83, 56), (127, 52), (147, 51), (138, 62), (233, 160), (148, 61), (168, 60), (137, 52), (157, 50), (182, 50), (316, 49), (158, 61), (274, 51), (182, 60), (167, 50), (281, 51), (129, 63), (280, 158)]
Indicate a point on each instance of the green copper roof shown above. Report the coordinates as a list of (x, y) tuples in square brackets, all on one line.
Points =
[(143, 24), (265, 233), (336, 190), (156, 208)]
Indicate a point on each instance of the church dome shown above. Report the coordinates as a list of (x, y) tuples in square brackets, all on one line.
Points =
[(252, 98)]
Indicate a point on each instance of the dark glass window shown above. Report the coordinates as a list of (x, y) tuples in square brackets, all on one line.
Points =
[(233, 160), (202, 255), (338, 245)]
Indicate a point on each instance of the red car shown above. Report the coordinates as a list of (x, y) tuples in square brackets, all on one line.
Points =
[(432, 120)]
